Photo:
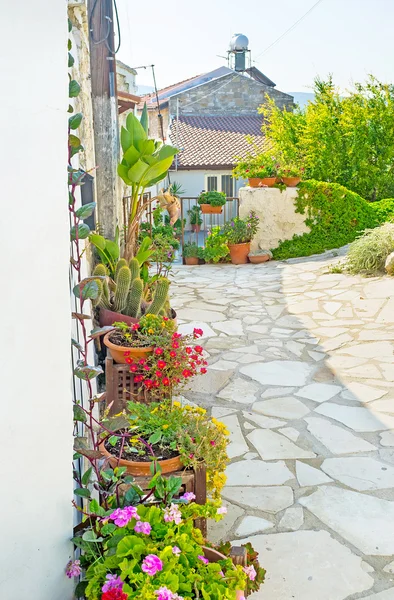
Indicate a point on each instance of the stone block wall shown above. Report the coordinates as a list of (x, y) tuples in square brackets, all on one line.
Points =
[(234, 94), (276, 211)]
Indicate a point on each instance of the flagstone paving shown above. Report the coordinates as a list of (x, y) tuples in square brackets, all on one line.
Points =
[(302, 374)]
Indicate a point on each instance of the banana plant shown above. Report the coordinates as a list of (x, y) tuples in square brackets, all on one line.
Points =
[(145, 162)]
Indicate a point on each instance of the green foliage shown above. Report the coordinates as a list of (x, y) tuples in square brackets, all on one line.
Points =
[(195, 215), (213, 198), (133, 307), (107, 250), (261, 164), (134, 267), (335, 216), (367, 254), (123, 281), (241, 231), (160, 296), (216, 249), (191, 250), (176, 189), (384, 210), (343, 139)]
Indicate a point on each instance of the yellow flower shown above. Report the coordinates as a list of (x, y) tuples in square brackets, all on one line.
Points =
[(150, 330), (165, 426), (163, 324), (176, 404), (187, 407), (201, 411), (154, 411)]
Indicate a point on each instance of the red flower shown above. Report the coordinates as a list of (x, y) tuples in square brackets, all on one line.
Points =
[(159, 351), (138, 379), (148, 383), (213, 443), (194, 357), (161, 364), (175, 345), (135, 326), (173, 354), (246, 170), (133, 368), (197, 332), (159, 374), (186, 373), (176, 336), (129, 360), (147, 368), (114, 594), (198, 349), (205, 362), (127, 354), (165, 318), (156, 383), (203, 370), (191, 455), (188, 350), (165, 381), (141, 361)]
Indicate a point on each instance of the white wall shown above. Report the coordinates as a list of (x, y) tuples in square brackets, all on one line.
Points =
[(36, 411)]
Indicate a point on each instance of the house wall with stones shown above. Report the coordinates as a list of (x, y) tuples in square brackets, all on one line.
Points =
[(234, 94)]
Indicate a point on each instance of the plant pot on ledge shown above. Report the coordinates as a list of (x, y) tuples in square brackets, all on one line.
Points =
[(291, 181), (196, 228), (256, 182), (142, 468), (207, 209), (191, 260), (118, 352), (239, 253)]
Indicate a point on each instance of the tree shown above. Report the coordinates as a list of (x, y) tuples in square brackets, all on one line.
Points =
[(341, 139)]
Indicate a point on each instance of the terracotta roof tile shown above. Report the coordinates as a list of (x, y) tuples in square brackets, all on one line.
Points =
[(214, 141)]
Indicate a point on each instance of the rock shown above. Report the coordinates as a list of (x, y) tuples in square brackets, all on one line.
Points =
[(268, 499), (337, 439), (239, 390), (358, 419), (293, 518), (360, 472), (309, 476), (257, 472), (279, 372), (237, 445), (319, 392), (284, 408), (389, 264), (219, 531), (271, 445), (251, 525)]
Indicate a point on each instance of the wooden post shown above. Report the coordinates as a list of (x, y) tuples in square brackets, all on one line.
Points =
[(200, 490), (105, 113)]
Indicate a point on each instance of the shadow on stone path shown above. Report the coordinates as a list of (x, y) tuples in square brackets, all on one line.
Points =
[(301, 372)]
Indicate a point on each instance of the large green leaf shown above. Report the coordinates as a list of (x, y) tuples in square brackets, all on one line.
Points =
[(83, 231), (112, 248), (97, 240), (155, 171), (75, 121), (126, 139), (73, 89), (86, 210), (131, 545), (137, 171), (132, 154), (145, 119), (135, 128), (166, 150), (146, 147), (123, 174)]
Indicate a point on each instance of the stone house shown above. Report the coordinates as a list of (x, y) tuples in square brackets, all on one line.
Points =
[(208, 117)]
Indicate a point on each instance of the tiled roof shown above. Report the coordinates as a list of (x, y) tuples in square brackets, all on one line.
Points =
[(214, 141)]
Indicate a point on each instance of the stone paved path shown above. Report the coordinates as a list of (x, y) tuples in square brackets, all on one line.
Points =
[(302, 373)]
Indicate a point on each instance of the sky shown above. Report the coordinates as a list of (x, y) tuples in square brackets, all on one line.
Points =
[(183, 38)]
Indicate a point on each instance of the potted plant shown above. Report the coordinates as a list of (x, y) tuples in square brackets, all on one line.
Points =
[(174, 437), (192, 253), (212, 202), (154, 552), (195, 217), (137, 340), (239, 233), (216, 249), (260, 170), (291, 175)]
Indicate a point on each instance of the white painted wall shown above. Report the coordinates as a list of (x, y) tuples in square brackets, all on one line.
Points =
[(276, 211), (36, 411), (193, 181)]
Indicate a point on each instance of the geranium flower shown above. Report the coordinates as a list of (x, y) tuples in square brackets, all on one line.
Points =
[(203, 559), (114, 594), (250, 572), (113, 582), (222, 510), (143, 527), (188, 496), (176, 550), (172, 514), (122, 516), (73, 568), (151, 564)]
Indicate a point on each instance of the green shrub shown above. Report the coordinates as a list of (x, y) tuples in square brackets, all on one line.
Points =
[(367, 255), (216, 249), (384, 210), (213, 198), (335, 216)]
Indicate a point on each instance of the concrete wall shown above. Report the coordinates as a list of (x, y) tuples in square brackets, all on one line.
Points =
[(193, 180), (234, 94), (36, 516), (276, 211)]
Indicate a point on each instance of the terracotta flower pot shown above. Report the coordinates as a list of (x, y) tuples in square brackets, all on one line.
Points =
[(256, 182), (291, 181), (191, 260), (117, 352), (214, 556), (258, 258), (140, 468), (196, 228), (207, 209), (108, 317), (239, 253)]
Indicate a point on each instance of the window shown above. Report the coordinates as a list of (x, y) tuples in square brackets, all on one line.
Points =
[(220, 183)]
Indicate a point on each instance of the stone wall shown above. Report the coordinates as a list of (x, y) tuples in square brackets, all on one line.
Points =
[(234, 94), (276, 211)]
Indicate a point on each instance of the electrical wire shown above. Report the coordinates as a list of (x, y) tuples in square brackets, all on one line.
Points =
[(288, 30), (106, 38)]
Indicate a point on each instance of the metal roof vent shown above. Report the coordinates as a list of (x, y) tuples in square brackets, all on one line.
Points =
[(237, 53)]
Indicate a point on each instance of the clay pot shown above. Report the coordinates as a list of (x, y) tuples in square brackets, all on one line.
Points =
[(207, 209), (256, 182), (191, 260), (256, 259), (108, 317), (291, 181), (117, 352), (214, 556), (142, 468), (239, 253), (196, 228)]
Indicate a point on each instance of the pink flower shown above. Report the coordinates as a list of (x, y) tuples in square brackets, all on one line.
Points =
[(213, 443), (121, 516), (173, 514), (250, 572), (164, 593), (188, 496), (222, 510), (176, 551), (143, 527), (113, 582), (159, 351), (197, 332), (203, 559), (73, 568), (151, 564)]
